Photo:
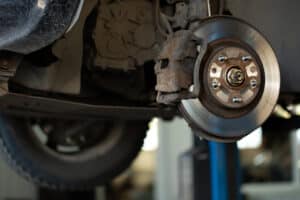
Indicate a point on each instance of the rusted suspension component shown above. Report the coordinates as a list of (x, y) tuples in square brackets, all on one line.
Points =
[(174, 68)]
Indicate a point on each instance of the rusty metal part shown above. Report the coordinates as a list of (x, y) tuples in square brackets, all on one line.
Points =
[(261, 72), (193, 10), (180, 19), (174, 68), (125, 34), (233, 76), (9, 63), (233, 97)]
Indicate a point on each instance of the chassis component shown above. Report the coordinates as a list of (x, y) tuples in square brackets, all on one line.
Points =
[(220, 71), (21, 104), (125, 35), (236, 80)]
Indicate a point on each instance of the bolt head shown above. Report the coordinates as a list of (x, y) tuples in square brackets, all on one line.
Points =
[(246, 58), (222, 58), (198, 48), (215, 84), (237, 100), (235, 77), (253, 83), (191, 88)]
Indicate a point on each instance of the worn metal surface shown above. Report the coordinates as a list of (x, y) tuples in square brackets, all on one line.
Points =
[(232, 76), (125, 35), (194, 10), (174, 69), (175, 62), (29, 25), (218, 127), (186, 12)]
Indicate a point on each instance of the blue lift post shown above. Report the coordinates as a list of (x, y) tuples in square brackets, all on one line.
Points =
[(218, 171), (224, 171)]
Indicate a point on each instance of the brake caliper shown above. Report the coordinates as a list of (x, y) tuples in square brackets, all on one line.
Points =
[(174, 68)]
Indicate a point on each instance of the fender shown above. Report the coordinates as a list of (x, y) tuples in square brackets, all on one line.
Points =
[(29, 25)]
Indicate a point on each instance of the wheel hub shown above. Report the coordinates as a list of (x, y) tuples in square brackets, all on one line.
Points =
[(236, 80), (234, 77)]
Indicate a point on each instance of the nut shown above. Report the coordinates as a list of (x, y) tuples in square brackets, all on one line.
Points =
[(222, 58), (253, 83), (215, 84), (237, 100), (235, 76), (246, 58)]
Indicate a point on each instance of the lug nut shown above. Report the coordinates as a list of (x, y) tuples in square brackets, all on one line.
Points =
[(253, 83), (246, 58), (222, 58), (215, 84), (237, 100)]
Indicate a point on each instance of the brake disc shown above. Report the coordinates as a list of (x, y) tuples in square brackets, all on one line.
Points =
[(236, 80)]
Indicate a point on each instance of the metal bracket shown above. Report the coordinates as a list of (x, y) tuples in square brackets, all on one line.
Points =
[(22, 104), (174, 68), (8, 67)]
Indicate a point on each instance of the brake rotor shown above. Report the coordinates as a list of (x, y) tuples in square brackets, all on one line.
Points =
[(236, 80)]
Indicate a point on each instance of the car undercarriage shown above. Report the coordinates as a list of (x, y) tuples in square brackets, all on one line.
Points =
[(132, 60)]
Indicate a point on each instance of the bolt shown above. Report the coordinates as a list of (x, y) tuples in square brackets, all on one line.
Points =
[(237, 100), (235, 76), (198, 48), (222, 58), (191, 88), (253, 83), (246, 58), (215, 84)]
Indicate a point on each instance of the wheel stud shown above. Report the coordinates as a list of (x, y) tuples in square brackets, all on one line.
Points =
[(246, 58), (237, 100), (253, 83), (215, 84), (222, 58)]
